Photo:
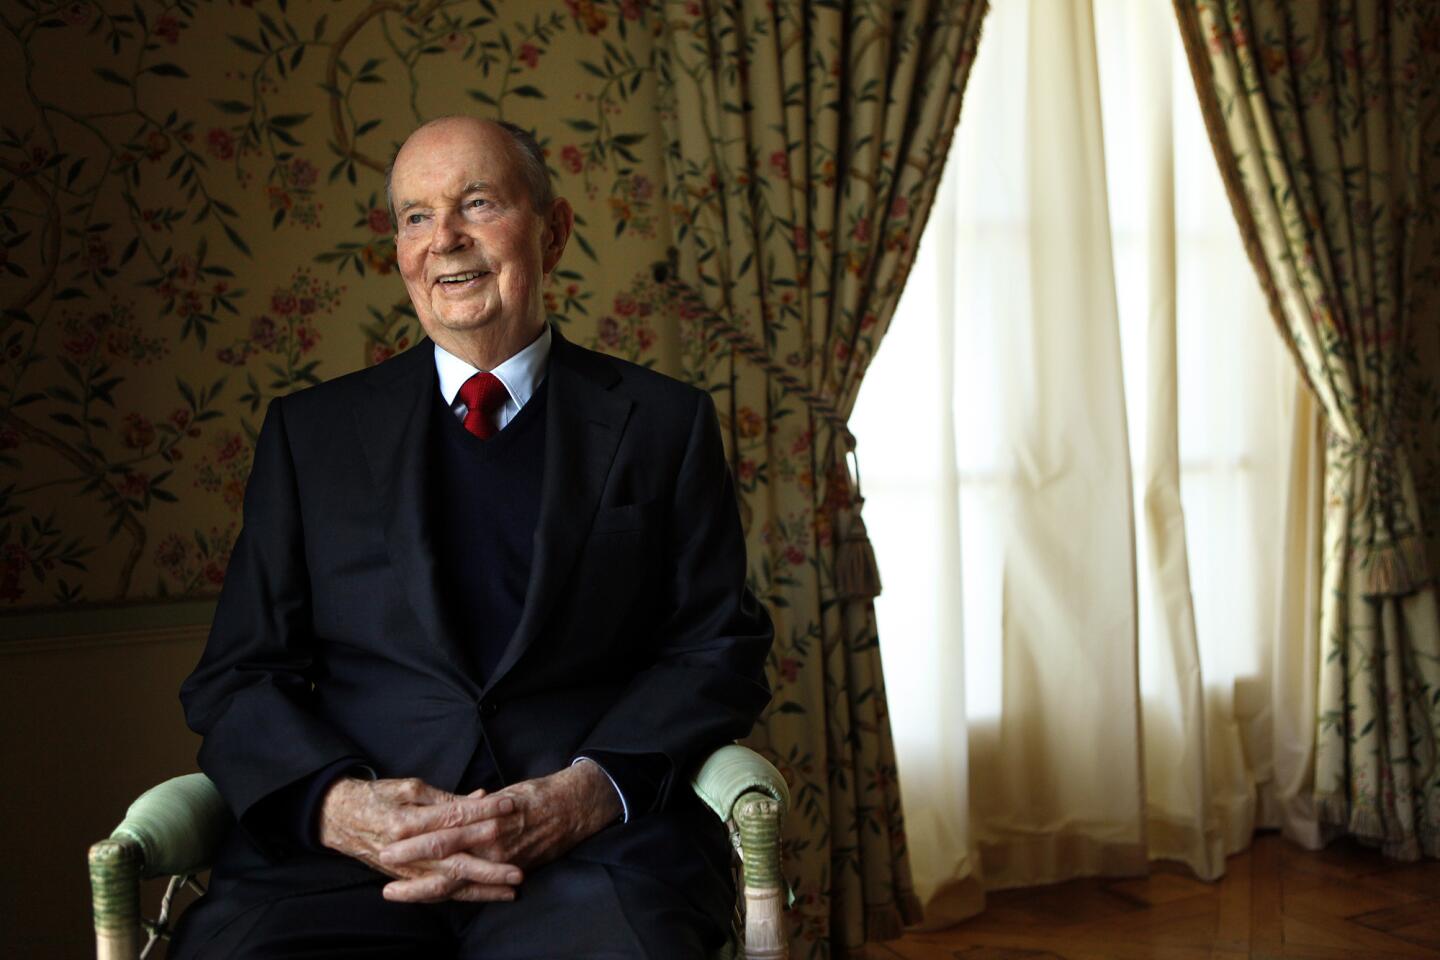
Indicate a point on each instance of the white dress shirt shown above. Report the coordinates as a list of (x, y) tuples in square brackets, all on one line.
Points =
[(521, 375)]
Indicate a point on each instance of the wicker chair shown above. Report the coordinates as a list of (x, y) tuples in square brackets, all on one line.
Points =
[(175, 828)]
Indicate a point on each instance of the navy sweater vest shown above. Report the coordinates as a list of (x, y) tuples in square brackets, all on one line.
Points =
[(487, 505)]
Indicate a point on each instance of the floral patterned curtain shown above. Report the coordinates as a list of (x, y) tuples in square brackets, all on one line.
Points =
[(805, 143), (1324, 117)]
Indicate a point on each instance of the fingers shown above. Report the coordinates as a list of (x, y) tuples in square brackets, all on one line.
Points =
[(442, 843), (450, 812), (359, 817), (447, 879), (412, 891), (476, 893), (463, 810)]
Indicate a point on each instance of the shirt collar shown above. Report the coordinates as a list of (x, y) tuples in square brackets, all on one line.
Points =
[(520, 374)]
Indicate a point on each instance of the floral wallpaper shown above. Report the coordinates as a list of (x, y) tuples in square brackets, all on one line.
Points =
[(192, 222)]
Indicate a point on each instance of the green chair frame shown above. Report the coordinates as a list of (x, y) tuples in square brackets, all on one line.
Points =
[(175, 828)]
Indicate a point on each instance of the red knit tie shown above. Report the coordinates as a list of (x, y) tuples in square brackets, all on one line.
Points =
[(483, 396)]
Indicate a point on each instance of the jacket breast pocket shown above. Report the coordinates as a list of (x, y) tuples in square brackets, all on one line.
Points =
[(627, 518), (619, 571)]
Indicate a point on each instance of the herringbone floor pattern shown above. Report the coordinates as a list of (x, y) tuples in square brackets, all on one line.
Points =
[(1276, 901)]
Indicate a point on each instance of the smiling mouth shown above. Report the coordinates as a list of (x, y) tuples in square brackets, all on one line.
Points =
[(465, 277)]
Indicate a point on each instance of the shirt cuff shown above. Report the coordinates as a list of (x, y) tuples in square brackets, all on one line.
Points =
[(624, 805)]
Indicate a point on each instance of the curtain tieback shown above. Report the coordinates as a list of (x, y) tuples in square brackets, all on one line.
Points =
[(857, 575), (1390, 549)]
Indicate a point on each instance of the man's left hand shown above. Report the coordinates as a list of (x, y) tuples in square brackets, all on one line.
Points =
[(551, 814)]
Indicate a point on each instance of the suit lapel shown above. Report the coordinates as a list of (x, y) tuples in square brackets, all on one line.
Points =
[(583, 424), (394, 420)]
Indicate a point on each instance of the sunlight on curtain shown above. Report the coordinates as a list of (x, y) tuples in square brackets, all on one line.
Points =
[(1082, 226)]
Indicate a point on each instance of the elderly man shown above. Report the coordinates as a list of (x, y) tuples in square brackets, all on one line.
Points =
[(486, 613)]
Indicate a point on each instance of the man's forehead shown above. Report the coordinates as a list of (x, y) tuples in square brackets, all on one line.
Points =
[(456, 140), (454, 156)]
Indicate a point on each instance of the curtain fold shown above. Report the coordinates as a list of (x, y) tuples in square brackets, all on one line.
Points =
[(804, 144), (1044, 807), (1287, 776), (1190, 763), (1323, 117)]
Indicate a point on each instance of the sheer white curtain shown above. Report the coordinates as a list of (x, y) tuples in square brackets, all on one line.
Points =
[(1090, 483)]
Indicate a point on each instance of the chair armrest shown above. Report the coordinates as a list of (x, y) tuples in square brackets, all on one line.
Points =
[(179, 825), (732, 771)]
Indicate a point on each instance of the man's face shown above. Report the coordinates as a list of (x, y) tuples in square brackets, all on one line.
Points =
[(472, 250)]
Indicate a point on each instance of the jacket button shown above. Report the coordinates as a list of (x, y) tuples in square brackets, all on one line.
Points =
[(489, 708)]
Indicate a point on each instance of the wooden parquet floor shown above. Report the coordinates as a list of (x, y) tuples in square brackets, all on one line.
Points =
[(1276, 901)]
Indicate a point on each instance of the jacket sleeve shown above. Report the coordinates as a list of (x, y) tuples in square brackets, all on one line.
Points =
[(250, 695), (705, 684)]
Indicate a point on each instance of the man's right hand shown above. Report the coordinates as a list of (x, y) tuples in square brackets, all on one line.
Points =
[(360, 817)]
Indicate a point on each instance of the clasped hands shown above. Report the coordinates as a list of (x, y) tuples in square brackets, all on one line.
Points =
[(442, 846)]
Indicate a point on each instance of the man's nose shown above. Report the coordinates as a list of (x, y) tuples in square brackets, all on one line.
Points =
[(447, 236)]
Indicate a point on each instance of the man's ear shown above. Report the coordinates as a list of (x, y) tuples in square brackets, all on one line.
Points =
[(557, 232)]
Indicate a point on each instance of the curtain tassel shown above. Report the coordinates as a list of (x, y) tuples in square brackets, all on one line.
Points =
[(857, 575), (1397, 569), (888, 921), (883, 923)]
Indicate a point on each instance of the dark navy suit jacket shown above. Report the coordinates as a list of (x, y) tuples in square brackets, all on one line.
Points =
[(332, 640)]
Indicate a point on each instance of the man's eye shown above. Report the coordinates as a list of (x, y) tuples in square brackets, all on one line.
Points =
[(477, 203), (414, 218)]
